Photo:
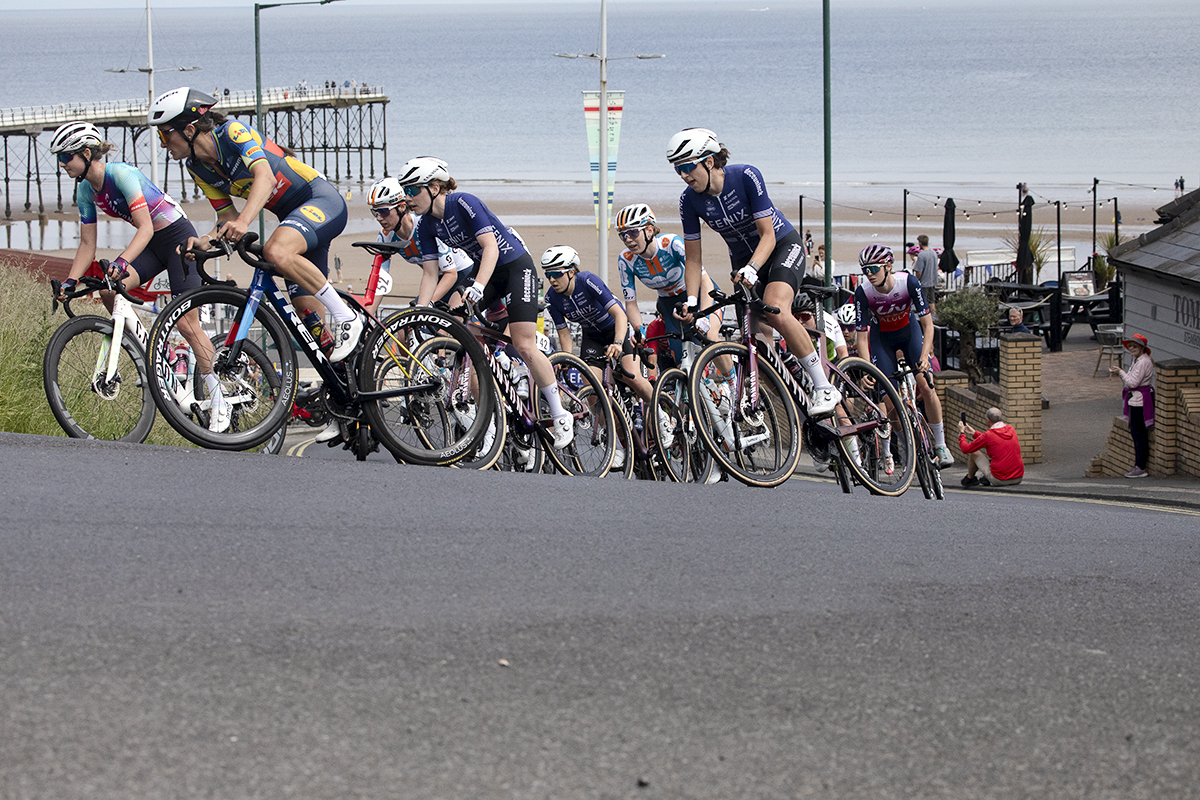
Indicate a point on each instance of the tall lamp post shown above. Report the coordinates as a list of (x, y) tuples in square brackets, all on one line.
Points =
[(258, 110), (603, 58), (149, 70)]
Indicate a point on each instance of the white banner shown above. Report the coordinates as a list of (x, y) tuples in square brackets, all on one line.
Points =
[(591, 114)]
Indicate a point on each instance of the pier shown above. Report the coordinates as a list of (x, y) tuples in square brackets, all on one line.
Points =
[(341, 131)]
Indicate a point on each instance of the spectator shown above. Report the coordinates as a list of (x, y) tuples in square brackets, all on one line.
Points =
[(995, 453), (926, 270), (227, 91), (1016, 321), (808, 242), (1138, 395)]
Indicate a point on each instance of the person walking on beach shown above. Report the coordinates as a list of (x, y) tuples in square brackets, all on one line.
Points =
[(227, 159), (926, 270), (1138, 397)]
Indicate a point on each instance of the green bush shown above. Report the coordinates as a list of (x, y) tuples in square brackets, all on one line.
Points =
[(968, 311)]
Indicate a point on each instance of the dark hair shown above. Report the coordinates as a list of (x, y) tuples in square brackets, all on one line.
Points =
[(445, 187), (215, 119), (721, 159), (923, 240)]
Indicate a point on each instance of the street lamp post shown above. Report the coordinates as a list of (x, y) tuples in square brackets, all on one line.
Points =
[(258, 110), (602, 57)]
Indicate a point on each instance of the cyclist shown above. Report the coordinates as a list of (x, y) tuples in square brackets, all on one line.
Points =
[(656, 259), (390, 209), (847, 317), (804, 309), (582, 298), (732, 200), (124, 192), (502, 267), (229, 159), (901, 322)]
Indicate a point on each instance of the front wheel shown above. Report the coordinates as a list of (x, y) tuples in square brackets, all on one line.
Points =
[(86, 404), (676, 439), (757, 443), (256, 369), (872, 425), (591, 451)]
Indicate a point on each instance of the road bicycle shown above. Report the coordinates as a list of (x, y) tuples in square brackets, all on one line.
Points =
[(636, 428), (95, 370), (928, 468), (748, 416), (524, 438), (380, 393), (672, 400)]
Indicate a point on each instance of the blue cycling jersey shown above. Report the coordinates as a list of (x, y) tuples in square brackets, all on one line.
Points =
[(465, 218), (734, 212), (450, 259), (662, 271), (125, 190), (587, 305)]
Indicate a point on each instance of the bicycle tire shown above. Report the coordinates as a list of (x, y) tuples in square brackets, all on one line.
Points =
[(461, 412), (858, 409), (736, 439), (261, 384), (523, 452), (274, 445), (590, 453), (922, 464), (86, 411), (934, 468), (623, 437), (416, 427), (679, 447)]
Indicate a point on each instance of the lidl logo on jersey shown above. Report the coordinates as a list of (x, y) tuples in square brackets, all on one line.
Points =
[(240, 134), (313, 213)]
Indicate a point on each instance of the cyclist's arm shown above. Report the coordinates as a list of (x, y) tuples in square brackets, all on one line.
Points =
[(85, 254), (488, 258), (261, 189), (565, 344), (766, 242), (692, 266), (633, 314), (445, 281), (620, 329), (145, 232), (864, 345), (429, 282), (927, 345)]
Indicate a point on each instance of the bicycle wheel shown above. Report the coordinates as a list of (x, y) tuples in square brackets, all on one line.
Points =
[(456, 410), (862, 418), (260, 383), (759, 446), (522, 452), (623, 438), (932, 468), (678, 444), (922, 466), (440, 418), (85, 405), (591, 451)]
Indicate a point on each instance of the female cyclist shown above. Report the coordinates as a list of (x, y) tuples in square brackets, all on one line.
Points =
[(390, 208), (901, 321), (228, 159), (123, 191), (656, 259), (732, 199), (502, 267)]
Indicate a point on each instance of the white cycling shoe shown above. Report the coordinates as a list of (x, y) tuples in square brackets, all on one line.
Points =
[(944, 457), (889, 465), (332, 431), (618, 458), (220, 413), (563, 431), (824, 401), (346, 336), (666, 426)]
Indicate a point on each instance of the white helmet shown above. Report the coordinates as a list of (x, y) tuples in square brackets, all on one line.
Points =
[(637, 215), (560, 256), (178, 107), (387, 193), (423, 169), (74, 136), (847, 315), (692, 144)]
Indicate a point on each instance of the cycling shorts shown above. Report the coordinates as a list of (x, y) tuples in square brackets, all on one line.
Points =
[(591, 350), (786, 263), (518, 279), (161, 253), (909, 339), (320, 220)]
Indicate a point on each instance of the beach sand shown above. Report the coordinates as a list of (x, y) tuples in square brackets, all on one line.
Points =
[(562, 213)]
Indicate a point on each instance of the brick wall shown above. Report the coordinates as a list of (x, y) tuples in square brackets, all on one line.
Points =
[(1175, 436), (1018, 396)]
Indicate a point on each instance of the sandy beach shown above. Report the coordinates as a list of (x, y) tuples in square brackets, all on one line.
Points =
[(547, 214)]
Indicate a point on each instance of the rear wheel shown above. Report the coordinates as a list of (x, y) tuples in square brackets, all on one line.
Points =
[(758, 445), (591, 450), (680, 450), (623, 433), (865, 428), (86, 405)]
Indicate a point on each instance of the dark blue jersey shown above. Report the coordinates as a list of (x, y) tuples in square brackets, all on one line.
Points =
[(734, 212), (588, 306), (465, 218)]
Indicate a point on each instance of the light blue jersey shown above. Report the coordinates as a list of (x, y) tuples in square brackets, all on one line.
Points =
[(662, 271)]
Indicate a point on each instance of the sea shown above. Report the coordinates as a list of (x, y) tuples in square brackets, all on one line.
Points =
[(940, 97)]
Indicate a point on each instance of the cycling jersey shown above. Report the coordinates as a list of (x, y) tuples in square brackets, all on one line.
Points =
[(450, 259), (733, 213), (662, 271), (588, 305), (239, 148), (465, 218), (126, 190), (893, 310)]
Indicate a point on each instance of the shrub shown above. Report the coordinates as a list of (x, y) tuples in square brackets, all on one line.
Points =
[(968, 311)]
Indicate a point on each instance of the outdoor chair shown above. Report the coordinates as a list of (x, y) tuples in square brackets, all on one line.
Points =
[(1109, 339)]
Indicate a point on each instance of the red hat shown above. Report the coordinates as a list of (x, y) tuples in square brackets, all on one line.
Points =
[(1137, 339)]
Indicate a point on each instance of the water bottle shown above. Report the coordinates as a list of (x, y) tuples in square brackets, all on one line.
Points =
[(522, 374), (181, 366), (316, 326), (638, 422), (793, 364)]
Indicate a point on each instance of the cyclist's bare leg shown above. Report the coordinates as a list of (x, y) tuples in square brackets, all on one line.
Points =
[(933, 404), (189, 326), (639, 384), (285, 249)]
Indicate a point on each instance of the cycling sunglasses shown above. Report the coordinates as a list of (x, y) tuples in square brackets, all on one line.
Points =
[(871, 269), (630, 235), (382, 213), (555, 274), (684, 169), (65, 158), (413, 191)]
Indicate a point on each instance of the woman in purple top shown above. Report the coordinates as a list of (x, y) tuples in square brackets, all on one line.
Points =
[(732, 200), (502, 267)]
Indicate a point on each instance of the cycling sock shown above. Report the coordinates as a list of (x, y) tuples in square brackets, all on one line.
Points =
[(337, 307), (885, 445), (553, 400), (214, 385), (939, 433), (812, 365)]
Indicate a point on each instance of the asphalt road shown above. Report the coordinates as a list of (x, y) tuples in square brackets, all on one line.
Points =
[(259, 626)]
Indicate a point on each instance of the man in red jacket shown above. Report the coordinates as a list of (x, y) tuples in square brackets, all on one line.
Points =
[(995, 452)]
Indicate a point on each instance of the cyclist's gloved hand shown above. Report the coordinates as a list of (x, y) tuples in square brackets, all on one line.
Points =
[(749, 273), (474, 292), (118, 268), (693, 305), (67, 286)]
